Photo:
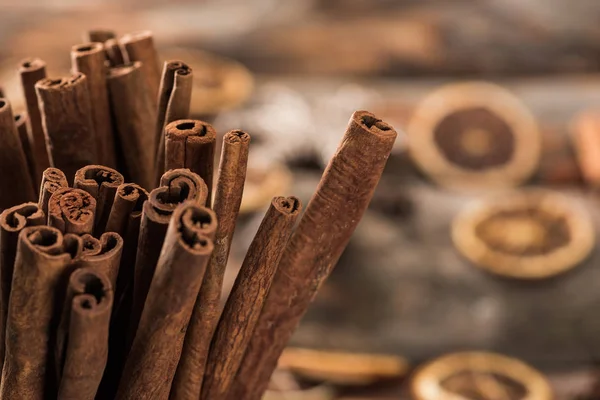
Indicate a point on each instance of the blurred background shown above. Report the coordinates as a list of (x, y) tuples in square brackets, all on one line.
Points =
[(482, 233)]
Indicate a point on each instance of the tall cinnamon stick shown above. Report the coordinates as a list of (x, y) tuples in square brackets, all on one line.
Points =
[(72, 211), (21, 120), (12, 221), (140, 47), (228, 197), (52, 180), (191, 144), (153, 357), (67, 119), (89, 59), (16, 185), (134, 116), (247, 296), (88, 306), (177, 186), (31, 71), (324, 230), (102, 183), (41, 267), (174, 97)]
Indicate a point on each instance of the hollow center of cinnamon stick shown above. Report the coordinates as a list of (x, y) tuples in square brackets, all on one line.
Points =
[(14, 219), (101, 176), (43, 238), (85, 48), (370, 121), (2, 103)]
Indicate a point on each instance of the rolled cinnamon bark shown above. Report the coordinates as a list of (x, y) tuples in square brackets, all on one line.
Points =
[(90, 60), (67, 119), (42, 265), (191, 144), (21, 120), (114, 53), (140, 47), (72, 211), (134, 117), (174, 96), (228, 197), (102, 183), (98, 35), (88, 307), (31, 71), (247, 297), (322, 234), (12, 222), (176, 187), (15, 186), (152, 360), (107, 259), (52, 180)]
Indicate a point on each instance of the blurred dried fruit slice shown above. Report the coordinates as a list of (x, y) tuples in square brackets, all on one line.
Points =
[(479, 376), (474, 135), (529, 234)]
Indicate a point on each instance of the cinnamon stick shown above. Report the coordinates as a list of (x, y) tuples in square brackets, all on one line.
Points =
[(31, 71), (247, 296), (322, 234), (52, 180), (107, 259), (89, 59), (174, 97), (41, 267), (67, 119), (16, 185), (228, 197), (88, 307), (102, 183), (98, 35), (140, 47), (191, 144), (114, 53), (176, 187), (153, 357), (134, 117), (12, 221), (72, 211), (21, 120)]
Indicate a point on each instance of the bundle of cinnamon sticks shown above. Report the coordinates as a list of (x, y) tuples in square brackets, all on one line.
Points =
[(111, 289)]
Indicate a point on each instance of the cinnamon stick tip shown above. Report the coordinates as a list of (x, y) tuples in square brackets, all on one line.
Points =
[(182, 129), (287, 205), (133, 192), (54, 175), (236, 136), (372, 124), (98, 175), (43, 238), (89, 282), (196, 219), (15, 218), (60, 83), (178, 67), (87, 48), (111, 242), (31, 64), (91, 245)]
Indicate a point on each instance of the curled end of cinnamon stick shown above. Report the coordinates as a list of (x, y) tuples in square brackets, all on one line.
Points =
[(18, 217), (91, 245), (85, 49), (177, 67), (110, 243), (182, 184), (55, 84), (190, 130), (287, 205), (50, 241), (196, 226), (31, 64), (97, 176), (72, 210), (370, 123), (54, 175), (236, 136), (133, 193), (93, 290)]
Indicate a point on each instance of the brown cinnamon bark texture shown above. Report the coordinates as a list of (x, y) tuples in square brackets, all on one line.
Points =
[(140, 47), (16, 185), (52, 180), (322, 234), (153, 357), (12, 221), (41, 268), (31, 71), (247, 297), (72, 211), (174, 96), (67, 119), (114, 53), (89, 59), (191, 144), (88, 304), (107, 259), (134, 118), (176, 187), (21, 121), (102, 183), (228, 197)]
